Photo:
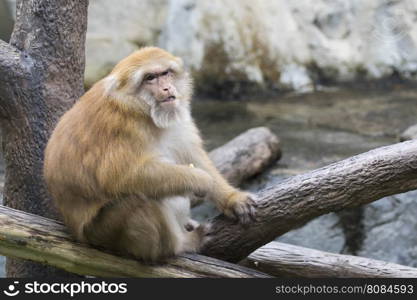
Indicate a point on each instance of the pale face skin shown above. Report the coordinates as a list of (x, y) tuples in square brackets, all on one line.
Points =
[(161, 86), (162, 89)]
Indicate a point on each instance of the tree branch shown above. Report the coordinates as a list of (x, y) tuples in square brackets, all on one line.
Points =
[(349, 183), (284, 260), (31, 237)]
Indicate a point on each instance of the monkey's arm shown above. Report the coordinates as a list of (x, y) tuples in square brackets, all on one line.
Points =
[(158, 179), (231, 201)]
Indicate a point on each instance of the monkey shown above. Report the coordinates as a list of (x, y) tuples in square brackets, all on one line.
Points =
[(123, 162)]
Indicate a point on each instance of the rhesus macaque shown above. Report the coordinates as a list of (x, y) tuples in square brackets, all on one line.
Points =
[(123, 162)]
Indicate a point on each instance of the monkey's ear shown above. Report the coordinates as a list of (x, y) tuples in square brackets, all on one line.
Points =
[(111, 83), (177, 65), (137, 77)]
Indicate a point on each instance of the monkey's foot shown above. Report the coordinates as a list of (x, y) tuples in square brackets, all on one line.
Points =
[(191, 225)]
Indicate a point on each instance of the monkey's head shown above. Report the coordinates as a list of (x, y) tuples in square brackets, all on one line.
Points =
[(153, 81)]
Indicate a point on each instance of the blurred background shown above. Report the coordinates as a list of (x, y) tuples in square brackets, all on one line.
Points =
[(332, 78)]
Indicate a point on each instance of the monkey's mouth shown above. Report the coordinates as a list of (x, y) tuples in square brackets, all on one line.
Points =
[(169, 99)]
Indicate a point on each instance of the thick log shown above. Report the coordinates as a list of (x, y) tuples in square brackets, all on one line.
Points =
[(247, 154), (349, 183), (31, 237), (284, 260)]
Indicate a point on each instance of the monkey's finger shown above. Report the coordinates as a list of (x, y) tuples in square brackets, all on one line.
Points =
[(242, 213), (230, 213), (252, 208), (200, 194), (252, 213)]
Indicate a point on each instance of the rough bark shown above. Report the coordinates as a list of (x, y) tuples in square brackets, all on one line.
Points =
[(42, 76), (284, 260), (349, 183), (28, 236)]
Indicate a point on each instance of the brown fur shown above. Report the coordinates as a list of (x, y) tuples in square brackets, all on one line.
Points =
[(104, 171)]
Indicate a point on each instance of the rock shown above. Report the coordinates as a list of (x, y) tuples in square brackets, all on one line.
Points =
[(239, 45), (409, 134), (116, 30), (323, 233), (390, 227)]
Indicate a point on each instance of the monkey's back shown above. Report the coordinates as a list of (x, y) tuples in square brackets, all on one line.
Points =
[(87, 154)]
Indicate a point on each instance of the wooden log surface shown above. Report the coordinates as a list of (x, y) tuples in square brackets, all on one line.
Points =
[(247, 154), (284, 260), (31, 237), (348, 183)]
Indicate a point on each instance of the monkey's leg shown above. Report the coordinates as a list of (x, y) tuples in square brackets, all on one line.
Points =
[(134, 226), (148, 229), (189, 233)]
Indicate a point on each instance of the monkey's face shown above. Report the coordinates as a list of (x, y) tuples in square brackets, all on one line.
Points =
[(166, 89), (160, 85), (155, 82)]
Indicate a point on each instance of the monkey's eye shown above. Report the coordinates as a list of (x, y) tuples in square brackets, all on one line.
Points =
[(150, 77), (166, 72)]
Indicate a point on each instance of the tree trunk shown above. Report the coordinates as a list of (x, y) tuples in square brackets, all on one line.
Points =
[(42, 76)]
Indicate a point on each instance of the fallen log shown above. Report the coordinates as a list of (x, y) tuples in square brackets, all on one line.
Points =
[(247, 154), (409, 134), (284, 260), (349, 183), (31, 237)]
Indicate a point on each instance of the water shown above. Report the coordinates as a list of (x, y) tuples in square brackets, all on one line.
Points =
[(315, 129)]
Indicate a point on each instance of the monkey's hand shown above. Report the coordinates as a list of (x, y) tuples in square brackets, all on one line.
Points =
[(204, 183), (241, 206)]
